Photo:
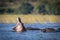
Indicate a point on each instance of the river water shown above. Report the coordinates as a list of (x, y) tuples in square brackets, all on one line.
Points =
[(6, 32)]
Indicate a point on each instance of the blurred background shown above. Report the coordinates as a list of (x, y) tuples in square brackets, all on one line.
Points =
[(45, 7), (31, 10)]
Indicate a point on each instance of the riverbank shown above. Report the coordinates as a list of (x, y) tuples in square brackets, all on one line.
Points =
[(30, 18)]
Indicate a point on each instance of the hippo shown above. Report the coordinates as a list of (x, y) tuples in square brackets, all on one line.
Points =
[(58, 29), (48, 30), (43, 30), (30, 28), (19, 26)]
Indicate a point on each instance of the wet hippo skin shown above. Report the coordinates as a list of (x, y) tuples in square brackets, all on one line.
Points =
[(19, 26)]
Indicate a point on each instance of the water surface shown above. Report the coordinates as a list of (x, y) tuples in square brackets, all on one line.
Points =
[(6, 32)]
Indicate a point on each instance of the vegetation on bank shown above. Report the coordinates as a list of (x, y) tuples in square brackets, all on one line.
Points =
[(30, 18), (44, 7)]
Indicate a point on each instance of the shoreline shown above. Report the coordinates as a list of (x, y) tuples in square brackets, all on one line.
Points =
[(30, 18)]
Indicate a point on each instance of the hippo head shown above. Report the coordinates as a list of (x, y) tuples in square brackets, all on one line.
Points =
[(19, 26)]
